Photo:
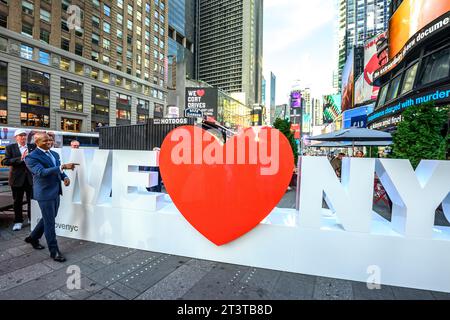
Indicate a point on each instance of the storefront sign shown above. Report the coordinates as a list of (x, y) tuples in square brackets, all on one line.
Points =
[(439, 95), (170, 121)]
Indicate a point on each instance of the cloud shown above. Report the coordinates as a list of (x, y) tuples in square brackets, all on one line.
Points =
[(299, 44)]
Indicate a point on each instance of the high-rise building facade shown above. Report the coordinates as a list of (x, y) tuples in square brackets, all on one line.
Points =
[(359, 20), (75, 65), (230, 46), (182, 48), (273, 90)]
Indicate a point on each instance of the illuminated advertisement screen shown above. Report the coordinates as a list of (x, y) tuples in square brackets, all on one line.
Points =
[(348, 82), (296, 99), (410, 17)]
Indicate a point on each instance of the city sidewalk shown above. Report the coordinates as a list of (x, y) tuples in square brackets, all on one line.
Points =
[(110, 272)]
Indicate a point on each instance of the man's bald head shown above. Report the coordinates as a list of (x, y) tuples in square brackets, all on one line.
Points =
[(41, 140)]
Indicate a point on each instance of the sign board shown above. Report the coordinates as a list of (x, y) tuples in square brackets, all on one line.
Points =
[(193, 113), (204, 99)]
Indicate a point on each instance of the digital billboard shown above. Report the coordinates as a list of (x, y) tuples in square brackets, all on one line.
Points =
[(202, 99), (348, 82), (411, 24), (331, 107), (296, 99)]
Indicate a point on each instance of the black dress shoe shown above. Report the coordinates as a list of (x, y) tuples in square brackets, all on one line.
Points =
[(58, 257), (34, 243)]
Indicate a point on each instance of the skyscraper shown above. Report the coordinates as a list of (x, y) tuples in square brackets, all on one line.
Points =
[(182, 49), (273, 90), (230, 47), (359, 20), (73, 65)]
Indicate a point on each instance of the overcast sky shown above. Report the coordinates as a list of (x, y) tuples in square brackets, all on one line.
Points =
[(299, 44)]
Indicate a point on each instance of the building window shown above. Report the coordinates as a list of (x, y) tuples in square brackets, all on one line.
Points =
[(71, 105), (27, 30), (119, 65), (65, 5), (123, 114), (119, 81), (410, 75), (94, 73), (106, 77), (71, 125), (119, 19), (96, 3), (65, 44), (120, 3), (79, 32), (35, 98), (435, 67), (3, 21), (27, 7), (64, 25), (44, 57), (3, 44), (393, 89), (95, 39), (94, 56), (64, 64), (119, 50), (130, 9), (45, 16), (79, 68), (79, 49), (106, 10), (105, 60), (95, 21), (45, 36), (119, 34), (106, 44), (143, 104), (106, 27), (26, 52), (129, 25), (3, 92)]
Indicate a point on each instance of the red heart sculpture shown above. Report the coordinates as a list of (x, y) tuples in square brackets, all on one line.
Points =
[(201, 93), (224, 201)]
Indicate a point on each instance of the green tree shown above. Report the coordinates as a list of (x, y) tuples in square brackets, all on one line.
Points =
[(420, 134), (285, 128)]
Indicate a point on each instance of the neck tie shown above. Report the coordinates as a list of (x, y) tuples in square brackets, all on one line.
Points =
[(49, 154)]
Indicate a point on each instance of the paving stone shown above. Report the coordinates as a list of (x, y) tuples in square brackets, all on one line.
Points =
[(147, 276), (124, 291), (22, 276), (177, 283), (217, 283), (292, 286), (411, 294), (361, 292), (5, 256), (88, 288), (105, 294), (94, 264), (122, 268), (22, 261), (117, 253), (11, 243), (103, 259), (57, 295), (15, 252), (332, 289)]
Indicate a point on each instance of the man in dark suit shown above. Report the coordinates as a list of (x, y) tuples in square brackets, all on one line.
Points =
[(20, 178), (48, 173)]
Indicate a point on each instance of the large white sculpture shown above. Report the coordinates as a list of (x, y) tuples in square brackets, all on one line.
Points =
[(107, 202)]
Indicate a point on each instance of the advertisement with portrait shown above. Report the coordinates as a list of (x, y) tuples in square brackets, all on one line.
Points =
[(202, 99), (359, 90), (348, 82), (371, 64)]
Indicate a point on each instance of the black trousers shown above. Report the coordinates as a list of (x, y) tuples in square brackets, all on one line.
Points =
[(18, 193)]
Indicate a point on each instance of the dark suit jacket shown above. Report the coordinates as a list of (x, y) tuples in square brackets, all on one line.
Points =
[(18, 172), (47, 177)]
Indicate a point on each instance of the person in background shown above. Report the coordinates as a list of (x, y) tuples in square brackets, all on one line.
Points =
[(48, 173), (359, 154), (75, 144), (336, 163), (20, 178)]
